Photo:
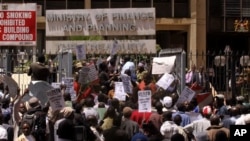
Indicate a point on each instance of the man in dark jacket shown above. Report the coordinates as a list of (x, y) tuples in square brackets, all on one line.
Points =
[(38, 70)]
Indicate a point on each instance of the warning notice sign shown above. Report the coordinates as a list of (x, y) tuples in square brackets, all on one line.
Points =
[(18, 24)]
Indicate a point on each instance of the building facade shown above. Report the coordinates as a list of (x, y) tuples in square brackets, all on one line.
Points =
[(193, 25)]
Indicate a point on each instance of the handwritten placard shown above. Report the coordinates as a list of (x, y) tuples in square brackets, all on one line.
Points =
[(56, 99), (186, 95), (165, 81), (163, 65), (126, 80), (119, 91)]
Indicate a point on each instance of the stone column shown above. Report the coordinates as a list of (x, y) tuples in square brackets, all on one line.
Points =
[(87, 4)]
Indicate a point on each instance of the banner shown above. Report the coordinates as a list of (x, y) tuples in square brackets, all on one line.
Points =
[(18, 24), (144, 101)]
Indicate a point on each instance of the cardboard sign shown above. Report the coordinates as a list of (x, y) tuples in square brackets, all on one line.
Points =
[(83, 75), (163, 65), (119, 91), (144, 101), (186, 95), (39, 89), (165, 81), (80, 52), (12, 85), (126, 80), (56, 99)]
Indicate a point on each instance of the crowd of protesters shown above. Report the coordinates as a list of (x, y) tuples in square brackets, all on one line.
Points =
[(97, 115)]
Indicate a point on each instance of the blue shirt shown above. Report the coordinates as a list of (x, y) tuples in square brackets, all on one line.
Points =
[(185, 119)]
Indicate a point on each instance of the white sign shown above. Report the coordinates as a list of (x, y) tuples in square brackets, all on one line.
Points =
[(56, 85), (87, 22), (56, 99), (144, 101), (186, 95), (119, 91), (18, 24), (163, 65), (80, 52), (104, 46), (126, 80), (165, 81)]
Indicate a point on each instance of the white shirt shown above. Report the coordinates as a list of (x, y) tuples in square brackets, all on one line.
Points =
[(3, 133)]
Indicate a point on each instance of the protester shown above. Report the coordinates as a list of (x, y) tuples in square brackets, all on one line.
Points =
[(38, 70)]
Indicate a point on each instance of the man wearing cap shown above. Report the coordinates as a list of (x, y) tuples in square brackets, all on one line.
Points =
[(199, 126), (221, 108)]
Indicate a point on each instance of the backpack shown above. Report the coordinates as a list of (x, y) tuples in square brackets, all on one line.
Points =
[(37, 121)]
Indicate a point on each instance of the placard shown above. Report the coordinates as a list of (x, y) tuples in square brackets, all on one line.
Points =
[(80, 52), (163, 65), (186, 95), (144, 101), (93, 73), (126, 80), (119, 91), (56, 99), (165, 81), (69, 82), (83, 75)]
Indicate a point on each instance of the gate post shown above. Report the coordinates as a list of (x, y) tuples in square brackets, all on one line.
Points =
[(233, 79)]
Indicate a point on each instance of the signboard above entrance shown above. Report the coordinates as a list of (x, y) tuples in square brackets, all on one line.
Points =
[(18, 24), (122, 21)]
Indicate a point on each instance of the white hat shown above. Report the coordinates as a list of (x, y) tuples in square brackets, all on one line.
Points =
[(167, 101)]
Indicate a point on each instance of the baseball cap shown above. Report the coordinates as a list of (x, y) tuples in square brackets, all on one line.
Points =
[(139, 137), (207, 110)]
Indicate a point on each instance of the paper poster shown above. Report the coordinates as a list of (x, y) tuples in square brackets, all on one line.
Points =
[(56, 99), (165, 81), (186, 95), (126, 80), (144, 101), (80, 52), (163, 65), (119, 91), (69, 82)]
